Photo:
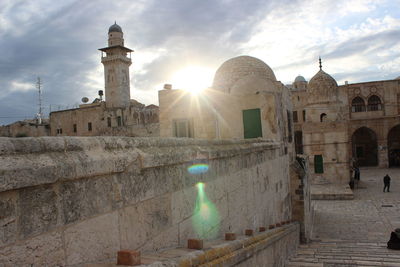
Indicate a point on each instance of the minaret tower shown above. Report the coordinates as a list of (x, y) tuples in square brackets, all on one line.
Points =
[(116, 68)]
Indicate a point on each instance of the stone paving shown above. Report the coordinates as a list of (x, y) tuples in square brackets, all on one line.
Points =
[(354, 232), (370, 217)]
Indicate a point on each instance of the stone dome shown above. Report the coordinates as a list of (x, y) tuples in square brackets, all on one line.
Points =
[(238, 68), (322, 88), (398, 78), (115, 28), (299, 79)]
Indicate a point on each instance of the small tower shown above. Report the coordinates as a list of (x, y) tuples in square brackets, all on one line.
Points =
[(116, 68)]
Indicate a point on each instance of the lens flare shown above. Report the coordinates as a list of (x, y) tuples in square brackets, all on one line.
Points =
[(198, 168), (205, 216)]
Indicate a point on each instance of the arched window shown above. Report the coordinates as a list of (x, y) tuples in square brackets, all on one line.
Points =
[(374, 103), (357, 105), (322, 117)]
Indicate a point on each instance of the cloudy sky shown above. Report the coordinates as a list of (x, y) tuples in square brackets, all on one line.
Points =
[(358, 40)]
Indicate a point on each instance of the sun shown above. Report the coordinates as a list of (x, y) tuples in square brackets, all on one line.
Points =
[(192, 78)]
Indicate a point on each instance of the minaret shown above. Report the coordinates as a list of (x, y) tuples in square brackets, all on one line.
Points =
[(116, 69)]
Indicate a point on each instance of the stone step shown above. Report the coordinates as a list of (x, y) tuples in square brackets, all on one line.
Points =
[(303, 264), (349, 253), (355, 262), (335, 253)]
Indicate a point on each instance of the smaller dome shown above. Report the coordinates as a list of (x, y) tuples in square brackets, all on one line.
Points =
[(398, 78), (299, 79), (114, 28), (322, 87)]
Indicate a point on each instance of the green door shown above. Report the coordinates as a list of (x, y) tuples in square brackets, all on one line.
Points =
[(318, 164), (252, 123)]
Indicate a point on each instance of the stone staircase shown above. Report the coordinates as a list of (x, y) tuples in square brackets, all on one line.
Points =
[(344, 254)]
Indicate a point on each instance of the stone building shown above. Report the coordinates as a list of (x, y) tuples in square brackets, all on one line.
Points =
[(245, 101), (343, 126), (118, 114), (26, 128)]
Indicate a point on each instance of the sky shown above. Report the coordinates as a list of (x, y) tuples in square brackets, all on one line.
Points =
[(183, 42)]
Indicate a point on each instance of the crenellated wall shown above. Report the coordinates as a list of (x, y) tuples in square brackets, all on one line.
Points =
[(66, 201)]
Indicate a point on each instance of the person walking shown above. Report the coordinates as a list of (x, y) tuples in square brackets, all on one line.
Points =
[(386, 182)]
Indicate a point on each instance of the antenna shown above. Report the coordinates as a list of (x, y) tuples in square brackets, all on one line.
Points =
[(39, 87)]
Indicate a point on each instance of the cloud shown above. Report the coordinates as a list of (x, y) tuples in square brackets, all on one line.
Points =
[(58, 41)]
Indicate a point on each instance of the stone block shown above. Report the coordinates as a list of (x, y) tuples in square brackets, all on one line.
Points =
[(137, 187), (128, 257), (139, 224), (87, 197), (38, 210), (43, 250), (183, 203), (278, 225), (248, 232), (271, 226), (262, 229), (230, 236), (8, 218), (195, 244), (92, 240)]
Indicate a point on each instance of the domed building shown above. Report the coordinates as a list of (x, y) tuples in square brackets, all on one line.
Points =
[(245, 101), (299, 83), (344, 126), (244, 75)]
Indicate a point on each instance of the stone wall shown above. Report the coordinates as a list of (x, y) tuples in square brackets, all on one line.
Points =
[(73, 200)]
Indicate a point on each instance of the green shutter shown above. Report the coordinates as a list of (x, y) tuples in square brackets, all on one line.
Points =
[(252, 123), (318, 164)]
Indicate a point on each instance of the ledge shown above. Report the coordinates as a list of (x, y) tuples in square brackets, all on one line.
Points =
[(28, 162)]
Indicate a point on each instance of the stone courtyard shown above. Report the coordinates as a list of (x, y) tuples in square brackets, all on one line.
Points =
[(355, 232), (369, 217)]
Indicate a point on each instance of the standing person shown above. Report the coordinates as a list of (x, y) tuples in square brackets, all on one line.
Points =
[(386, 182), (357, 174)]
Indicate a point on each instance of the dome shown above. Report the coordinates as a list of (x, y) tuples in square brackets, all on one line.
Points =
[(299, 79), (237, 68), (114, 28), (322, 87), (398, 78)]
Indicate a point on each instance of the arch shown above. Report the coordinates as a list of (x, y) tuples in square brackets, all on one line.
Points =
[(374, 103), (322, 117), (365, 147), (357, 104), (393, 143)]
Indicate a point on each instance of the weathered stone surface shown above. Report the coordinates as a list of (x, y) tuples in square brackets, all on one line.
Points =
[(88, 197), (135, 188), (44, 160), (44, 250), (95, 239), (8, 218), (38, 210), (140, 223), (106, 194)]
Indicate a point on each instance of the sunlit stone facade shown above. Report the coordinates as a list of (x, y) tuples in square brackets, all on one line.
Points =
[(351, 125), (245, 101)]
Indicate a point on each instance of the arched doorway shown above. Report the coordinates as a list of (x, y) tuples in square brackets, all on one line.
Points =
[(365, 147), (394, 146)]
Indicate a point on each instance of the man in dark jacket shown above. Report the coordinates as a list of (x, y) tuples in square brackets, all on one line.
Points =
[(386, 182), (394, 242)]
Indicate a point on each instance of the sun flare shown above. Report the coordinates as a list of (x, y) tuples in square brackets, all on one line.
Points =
[(192, 78)]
